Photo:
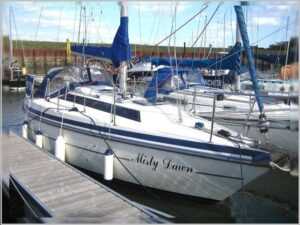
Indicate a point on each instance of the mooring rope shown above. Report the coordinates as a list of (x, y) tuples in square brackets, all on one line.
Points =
[(39, 22)]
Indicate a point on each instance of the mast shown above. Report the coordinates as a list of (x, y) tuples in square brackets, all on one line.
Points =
[(123, 65), (10, 59), (84, 37), (287, 48), (237, 39)]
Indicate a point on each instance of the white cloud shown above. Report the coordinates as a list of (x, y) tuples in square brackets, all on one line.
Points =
[(272, 21), (28, 6), (284, 7), (159, 6)]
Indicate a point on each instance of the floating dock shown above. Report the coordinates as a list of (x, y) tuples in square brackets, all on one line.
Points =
[(55, 192)]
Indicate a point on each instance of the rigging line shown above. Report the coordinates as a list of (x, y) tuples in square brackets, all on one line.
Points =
[(155, 22), (224, 32), (59, 24), (75, 19), (231, 26), (157, 32), (85, 26), (99, 25), (254, 43), (79, 25), (212, 16), (140, 27), (169, 42), (201, 42), (277, 62), (176, 66), (38, 25), (169, 51), (140, 24), (160, 12), (17, 35), (287, 47), (205, 36), (179, 28)]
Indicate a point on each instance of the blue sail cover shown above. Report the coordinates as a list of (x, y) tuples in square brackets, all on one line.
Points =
[(120, 48), (230, 61), (159, 78), (117, 53), (93, 51), (251, 65), (164, 75)]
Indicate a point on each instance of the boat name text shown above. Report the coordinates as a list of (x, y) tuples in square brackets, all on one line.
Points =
[(167, 164)]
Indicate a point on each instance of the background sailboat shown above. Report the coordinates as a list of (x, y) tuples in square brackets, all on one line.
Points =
[(16, 74)]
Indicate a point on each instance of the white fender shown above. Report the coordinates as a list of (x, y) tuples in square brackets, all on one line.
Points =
[(60, 148), (39, 139), (25, 130), (108, 165)]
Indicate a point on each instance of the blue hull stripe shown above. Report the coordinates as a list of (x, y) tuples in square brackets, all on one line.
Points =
[(256, 155)]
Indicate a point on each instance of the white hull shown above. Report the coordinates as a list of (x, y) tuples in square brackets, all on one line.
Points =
[(168, 170)]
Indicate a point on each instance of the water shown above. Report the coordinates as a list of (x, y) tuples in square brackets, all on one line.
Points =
[(273, 198)]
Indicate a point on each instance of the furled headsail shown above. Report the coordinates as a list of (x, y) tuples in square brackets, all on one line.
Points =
[(246, 44), (263, 123)]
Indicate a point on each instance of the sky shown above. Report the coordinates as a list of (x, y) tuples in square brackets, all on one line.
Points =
[(151, 21)]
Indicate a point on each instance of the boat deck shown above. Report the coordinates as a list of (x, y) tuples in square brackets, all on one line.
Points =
[(62, 193)]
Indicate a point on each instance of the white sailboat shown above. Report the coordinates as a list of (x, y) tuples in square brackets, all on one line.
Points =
[(84, 121), (15, 82)]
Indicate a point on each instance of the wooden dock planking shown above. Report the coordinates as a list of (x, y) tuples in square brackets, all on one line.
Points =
[(67, 194), (70, 199)]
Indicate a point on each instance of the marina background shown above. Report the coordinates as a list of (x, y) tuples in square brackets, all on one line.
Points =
[(39, 56)]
